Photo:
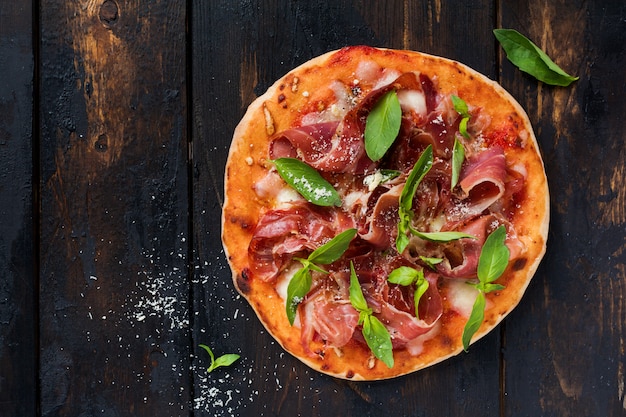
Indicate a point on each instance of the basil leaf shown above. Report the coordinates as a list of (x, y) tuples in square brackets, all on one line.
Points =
[(298, 288), (529, 58), (377, 338), (209, 351), (404, 275), (458, 156), (475, 320), (431, 262), (388, 175), (420, 169), (421, 286), (494, 256), (441, 236), (308, 182), (382, 125), (402, 240), (356, 294), (461, 107), (224, 360), (332, 250), (489, 287)]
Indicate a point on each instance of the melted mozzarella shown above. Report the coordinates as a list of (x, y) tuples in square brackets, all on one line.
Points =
[(388, 76), (461, 296), (413, 100), (368, 71)]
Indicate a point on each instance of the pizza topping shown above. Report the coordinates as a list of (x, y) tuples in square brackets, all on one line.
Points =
[(382, 126), (408, 174), (301, 282), (269, 121), (458, 156), (494, 258), (308, 182), (405, 276), (376, 334), (421, 168), (461, 107), (483, 180), (283, 233)]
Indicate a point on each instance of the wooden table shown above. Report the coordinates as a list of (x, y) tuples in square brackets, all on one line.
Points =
[(115, 122)]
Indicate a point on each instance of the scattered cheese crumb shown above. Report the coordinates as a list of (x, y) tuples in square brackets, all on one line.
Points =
[(249, 161)]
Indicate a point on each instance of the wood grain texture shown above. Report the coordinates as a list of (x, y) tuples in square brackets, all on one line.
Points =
[(564, 350), (114, 293), (18, 334)]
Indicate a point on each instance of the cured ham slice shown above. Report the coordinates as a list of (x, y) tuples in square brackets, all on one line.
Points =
[(482, 181), (282, 233), (461, 257)]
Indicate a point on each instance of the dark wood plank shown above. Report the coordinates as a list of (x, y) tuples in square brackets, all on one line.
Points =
[(564, 350), (114, 200), (18, 337), (234, 63)]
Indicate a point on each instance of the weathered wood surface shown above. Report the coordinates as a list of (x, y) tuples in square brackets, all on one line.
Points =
[(18, 309), (115, 126)]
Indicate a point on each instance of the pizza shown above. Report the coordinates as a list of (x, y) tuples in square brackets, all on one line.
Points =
[(383, 209)]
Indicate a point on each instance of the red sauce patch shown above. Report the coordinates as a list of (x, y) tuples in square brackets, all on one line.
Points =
[(505, 136)]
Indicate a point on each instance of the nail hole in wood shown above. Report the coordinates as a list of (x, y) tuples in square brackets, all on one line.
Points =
[(102, 143), (109, 12)]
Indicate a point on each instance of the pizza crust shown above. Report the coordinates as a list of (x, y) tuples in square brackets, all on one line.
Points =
[(304, 89)]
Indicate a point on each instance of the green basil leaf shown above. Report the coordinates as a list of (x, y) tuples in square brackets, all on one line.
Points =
[(317, 268), (298, 288), (332, 250), (224, 360), (356, 294), (404, 275), (382, 125), (378, 340), (489, 287), (441, 236), (402, 240), (209, 351), (475, 320), (420, 169), (308, 182), (460, 106), (431, 262), (420, 288), (529, 58), (388, 175), (458, 156), (494, 256)]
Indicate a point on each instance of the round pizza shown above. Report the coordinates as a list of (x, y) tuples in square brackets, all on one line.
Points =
[(383, 210)]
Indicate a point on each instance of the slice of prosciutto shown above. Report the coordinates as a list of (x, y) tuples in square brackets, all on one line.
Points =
[(461, 257), (339, 147), (282, 233), (482, 181)]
